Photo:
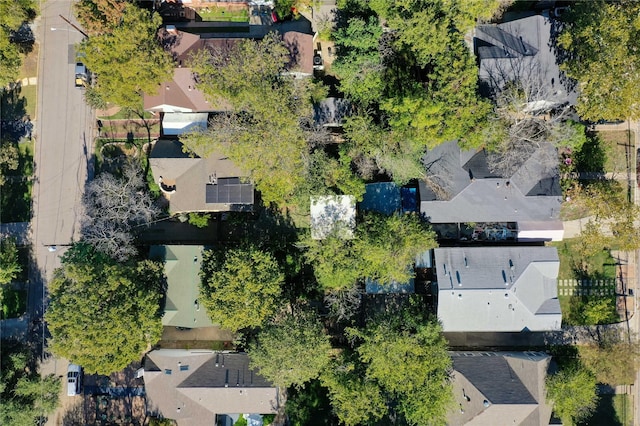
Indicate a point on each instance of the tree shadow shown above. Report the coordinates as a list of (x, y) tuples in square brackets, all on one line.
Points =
[(592, 156), (15, 123), (15, 196)]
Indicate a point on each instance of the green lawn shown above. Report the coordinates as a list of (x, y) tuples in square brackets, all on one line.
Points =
[(600, 266), (223, 14), (127, 115), (30, 93), (616, 145)]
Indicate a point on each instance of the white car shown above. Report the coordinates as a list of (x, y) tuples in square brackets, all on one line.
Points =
[(74, 379)]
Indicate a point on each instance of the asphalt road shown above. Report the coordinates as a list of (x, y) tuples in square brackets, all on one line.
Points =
[(63, 139)]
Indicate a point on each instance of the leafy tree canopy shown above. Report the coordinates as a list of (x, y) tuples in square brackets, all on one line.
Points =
[(240, 287), (99, 16), (128, 59), (292, 350), (103, 315), (600, 41), (406, 354), (26, 397), (262, 133), (573, 394), (383, 249), (355, 398)]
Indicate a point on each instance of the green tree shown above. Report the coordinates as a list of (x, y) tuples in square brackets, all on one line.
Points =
[(355, 398), (406, 354), (383, 249), (388, 245), (98, 17), (199, 220), (240, 287), (128, 59), (600, 42), (612, 359), (13, 13), (103, 315), (26, 397), (292, 350), (573, 394), (262, 132), (9, 264), (9, 159)]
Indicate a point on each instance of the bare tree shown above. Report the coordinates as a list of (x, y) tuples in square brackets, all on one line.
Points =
[(113, 208), (343, 304), (530, 111)]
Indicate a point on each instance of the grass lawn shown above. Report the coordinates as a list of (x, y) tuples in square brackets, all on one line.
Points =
[(612, 410), (223, 14), (616, 144), (30, 93), (127, 115), (600, 266)]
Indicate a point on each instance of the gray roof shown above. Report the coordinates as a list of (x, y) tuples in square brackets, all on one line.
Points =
[(193, 386), (511, 383), (498, 288), (182, 268), (193, 176), (466, 191), (521, 48)]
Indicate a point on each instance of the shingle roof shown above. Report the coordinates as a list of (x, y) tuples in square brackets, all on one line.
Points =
[(182, 268), (192, 177), (193, 386), (474, 194), (181, 95), (498, 288), (499, 388), (521, 48)]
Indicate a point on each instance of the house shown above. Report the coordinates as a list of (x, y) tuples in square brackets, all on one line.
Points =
[(333, 215), (499, 388), (301, 53), (522, 49), (197, 387), (182, 268), (497, 289), (194, 184), (461, 188)]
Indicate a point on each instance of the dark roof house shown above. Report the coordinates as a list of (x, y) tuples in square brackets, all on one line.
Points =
[(194, 184), (461, 188), (193, 387), (522, 49), (498, 289), (499, 388)]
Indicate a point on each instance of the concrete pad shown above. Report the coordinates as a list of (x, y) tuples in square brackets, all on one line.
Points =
[(33, 81)]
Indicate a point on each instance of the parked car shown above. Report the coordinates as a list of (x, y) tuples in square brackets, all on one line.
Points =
[(81, 76), (74, 379)]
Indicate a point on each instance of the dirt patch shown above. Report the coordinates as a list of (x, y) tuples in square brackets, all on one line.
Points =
[(30, 63)]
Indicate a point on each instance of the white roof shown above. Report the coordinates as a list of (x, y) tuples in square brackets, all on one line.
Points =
[(333, 214), (177, 123), (498, 289)]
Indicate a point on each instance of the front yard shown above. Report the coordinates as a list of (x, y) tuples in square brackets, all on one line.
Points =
[(586, 286)]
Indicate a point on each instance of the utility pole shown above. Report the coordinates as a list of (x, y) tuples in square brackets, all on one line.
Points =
[(74, 26)]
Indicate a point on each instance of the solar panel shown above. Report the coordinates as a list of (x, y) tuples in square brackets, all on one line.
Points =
[(229, 191)]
